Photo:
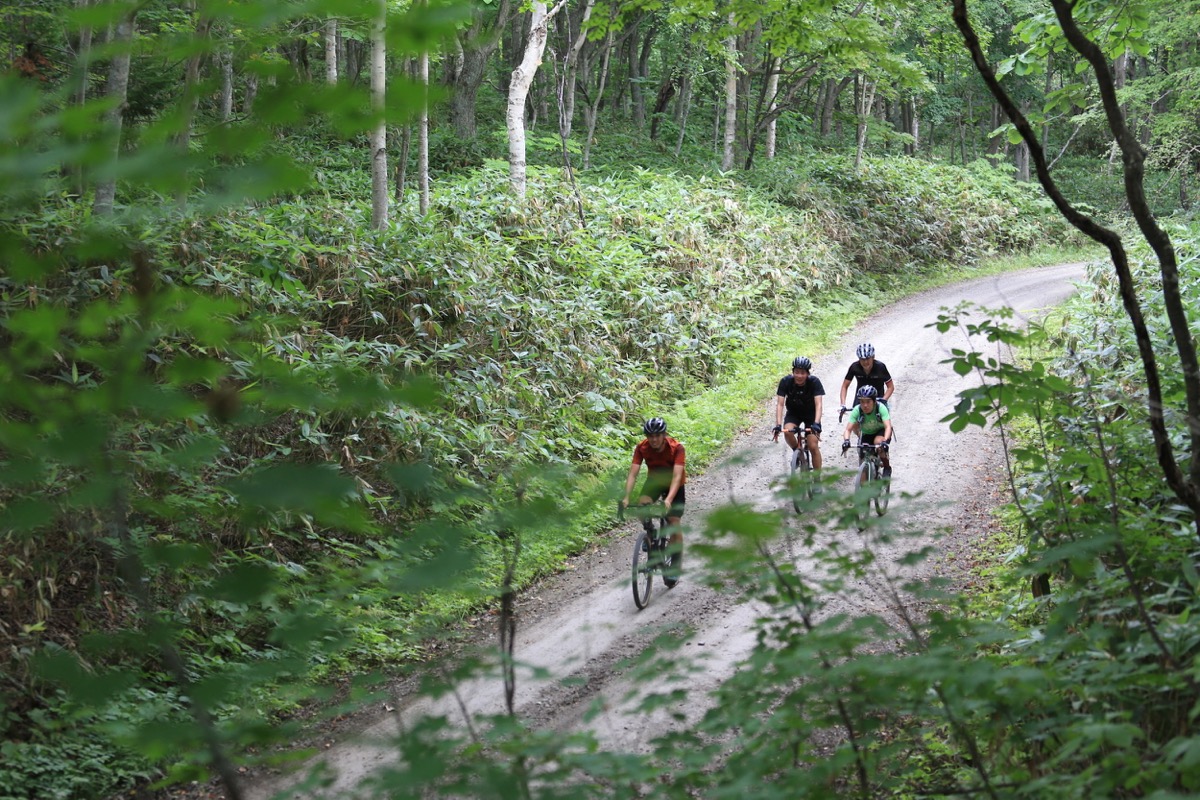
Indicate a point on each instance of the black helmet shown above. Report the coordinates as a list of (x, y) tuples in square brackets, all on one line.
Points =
[(655, 425), (867, 392), (802, 362), (866, 350)]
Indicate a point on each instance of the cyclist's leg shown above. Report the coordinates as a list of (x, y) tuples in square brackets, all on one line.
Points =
[(814, 447), (789, 432), (883, 456)]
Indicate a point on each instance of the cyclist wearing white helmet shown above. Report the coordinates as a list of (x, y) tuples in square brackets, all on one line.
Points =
[(866, 371), (801, 395), (872, 421), (665, 474)]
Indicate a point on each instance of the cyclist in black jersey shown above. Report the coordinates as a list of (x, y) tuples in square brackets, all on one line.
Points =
[(867, 371), (801, 395)]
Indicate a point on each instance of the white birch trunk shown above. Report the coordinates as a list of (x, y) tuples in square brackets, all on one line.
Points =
[(518, 91), (118, 90), (331, 52), (731, 81), (379, 173), (772, 92)]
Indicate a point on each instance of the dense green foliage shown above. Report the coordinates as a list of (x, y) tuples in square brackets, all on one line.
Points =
[(250, 441)]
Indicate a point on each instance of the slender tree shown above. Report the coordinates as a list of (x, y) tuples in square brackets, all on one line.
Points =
[(117, 90), (379, 173), (518, 91)]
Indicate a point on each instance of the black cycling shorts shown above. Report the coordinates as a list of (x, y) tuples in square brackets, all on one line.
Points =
[(656, 489)]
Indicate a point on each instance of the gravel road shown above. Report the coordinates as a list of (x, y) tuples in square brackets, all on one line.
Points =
[(583, 622)]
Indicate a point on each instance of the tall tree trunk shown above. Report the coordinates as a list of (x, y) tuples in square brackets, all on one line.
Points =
[(191, 97), (402, 163), (591, 111), (117, 90), (637, 106), (466, 72), (518, 92), (832, 92), (731, 83), (225, 61), (772, 92), (683, 104), (331, 51), (864, 100), (250, 95), (82, 78), (566, 95), (379, 172), (423, 135)]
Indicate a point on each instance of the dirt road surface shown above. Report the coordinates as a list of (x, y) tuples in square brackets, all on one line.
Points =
[(583, 622)]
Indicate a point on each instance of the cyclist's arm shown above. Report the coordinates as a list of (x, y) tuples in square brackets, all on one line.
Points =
[(888, 388), (634, 469), (779, 410), (819, 406), (845, 388), (676, 482), (887, 430)]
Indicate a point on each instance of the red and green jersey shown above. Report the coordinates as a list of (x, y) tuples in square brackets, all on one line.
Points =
[(663, 460)]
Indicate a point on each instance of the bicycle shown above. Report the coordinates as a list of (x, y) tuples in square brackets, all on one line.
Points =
[(800, 460), (870, 471), (652, 553)]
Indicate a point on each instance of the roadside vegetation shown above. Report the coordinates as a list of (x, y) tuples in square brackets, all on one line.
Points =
[(435, 372), (264, 434)]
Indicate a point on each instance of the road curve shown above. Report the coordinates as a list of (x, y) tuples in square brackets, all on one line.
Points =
[(583, 623)]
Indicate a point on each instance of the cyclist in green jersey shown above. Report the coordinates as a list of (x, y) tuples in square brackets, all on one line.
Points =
[(872, 421)]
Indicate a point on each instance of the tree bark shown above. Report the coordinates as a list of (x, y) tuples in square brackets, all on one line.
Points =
[(518, 92), (772, 91), (731, 84), (466, 72), (423, 135), (117, 90), (832, 92), (379, 171), (331, 51), (225, 64), (566, 94), (191, 98), (592, 110), (864, 100)]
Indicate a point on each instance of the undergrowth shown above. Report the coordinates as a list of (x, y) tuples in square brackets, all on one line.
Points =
[(490, 354)]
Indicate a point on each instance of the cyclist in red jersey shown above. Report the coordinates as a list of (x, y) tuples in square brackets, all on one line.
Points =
[(665, 474)]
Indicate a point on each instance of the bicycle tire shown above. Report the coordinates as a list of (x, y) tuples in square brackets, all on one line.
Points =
[(672, 564), (863, 481), (885, 493), (795, 462), (643, 572)]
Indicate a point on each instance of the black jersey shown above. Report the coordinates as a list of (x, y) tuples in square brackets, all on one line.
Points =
[(878, 376), (801, 399)]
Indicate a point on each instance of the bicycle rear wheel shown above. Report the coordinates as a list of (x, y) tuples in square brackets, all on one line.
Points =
[(643, 572)]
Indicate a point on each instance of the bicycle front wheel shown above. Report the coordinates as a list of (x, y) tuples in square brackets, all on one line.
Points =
[(863, 480), (884, 494), (643, 573), (672, 564), (798, 467)]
